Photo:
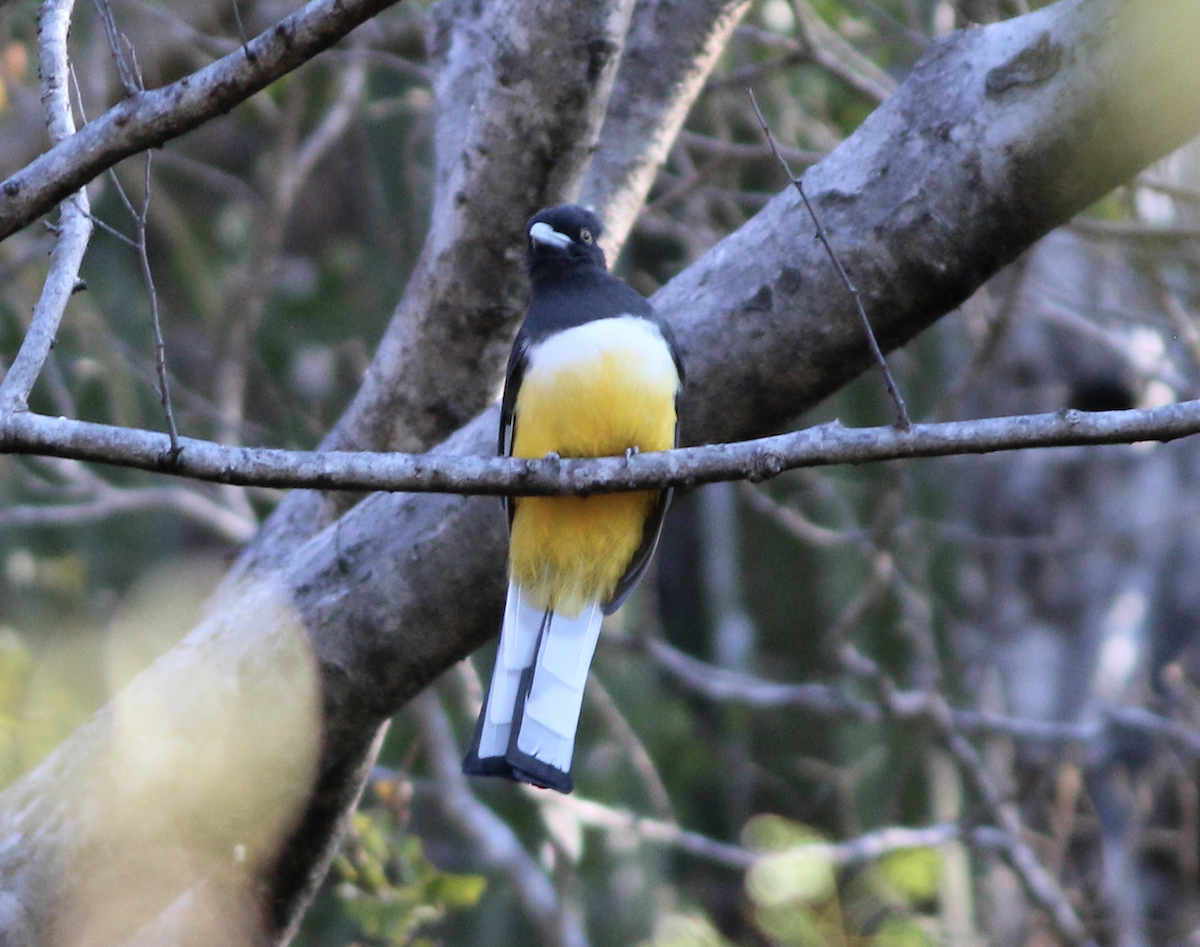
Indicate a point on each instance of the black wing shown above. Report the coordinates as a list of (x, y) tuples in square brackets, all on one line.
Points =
[(518, 360)]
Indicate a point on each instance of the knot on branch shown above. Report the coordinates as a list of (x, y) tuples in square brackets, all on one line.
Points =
[(767, 464)]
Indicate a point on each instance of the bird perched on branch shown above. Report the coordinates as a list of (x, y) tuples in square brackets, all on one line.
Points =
[(593, 373)]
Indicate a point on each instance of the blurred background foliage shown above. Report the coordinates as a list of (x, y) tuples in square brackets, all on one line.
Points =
[(272, 301)]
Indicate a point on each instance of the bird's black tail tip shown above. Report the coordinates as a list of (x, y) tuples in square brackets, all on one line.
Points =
[(524, 769)]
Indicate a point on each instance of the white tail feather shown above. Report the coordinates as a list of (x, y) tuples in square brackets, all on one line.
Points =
[(552, 709), (518, 639)]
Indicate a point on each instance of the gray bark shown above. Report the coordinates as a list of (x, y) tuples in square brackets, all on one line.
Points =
[(671, 51)]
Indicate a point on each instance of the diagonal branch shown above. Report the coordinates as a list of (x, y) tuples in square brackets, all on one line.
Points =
[(491, 834), (151, 118), (656, 87)]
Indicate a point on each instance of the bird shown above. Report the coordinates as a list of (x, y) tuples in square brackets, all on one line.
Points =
[(593, 372)]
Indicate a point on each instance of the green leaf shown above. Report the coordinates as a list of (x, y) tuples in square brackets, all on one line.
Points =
[(913, 873), (459, 891), (774, 833), (797, 876)]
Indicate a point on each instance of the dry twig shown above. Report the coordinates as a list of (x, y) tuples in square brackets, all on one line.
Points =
[(902, 419)]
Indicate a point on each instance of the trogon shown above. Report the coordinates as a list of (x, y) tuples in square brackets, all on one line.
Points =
[(593, 373)]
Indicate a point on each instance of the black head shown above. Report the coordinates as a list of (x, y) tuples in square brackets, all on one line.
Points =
[(564, 236)]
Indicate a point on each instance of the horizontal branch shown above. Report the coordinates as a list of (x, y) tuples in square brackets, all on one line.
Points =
[(821, 446), (864, 848), (149, 119), (827, 700)]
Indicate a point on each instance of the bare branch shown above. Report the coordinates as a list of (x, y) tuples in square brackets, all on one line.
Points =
[(632, 747), (761, 459), (351, 84), (74, 228), (160, 346), (799, 525), (131, 80), (154, 117), (654, 831), (114, 502), (744, 152), (1039, 885), (490, 834), (831, 51), (720, 684), (138, 243), (867, 847)]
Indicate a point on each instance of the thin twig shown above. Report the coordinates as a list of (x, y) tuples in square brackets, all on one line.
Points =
[(237, 16), (1184, 323), (128, 75), (636, 751), (831, 51), (114, 232), (744, 152), (133, 83), (918, 40), (739, 77), (799, 525), (902, 420), (140, 217), (867, 847), (326, 134), (160, 347)]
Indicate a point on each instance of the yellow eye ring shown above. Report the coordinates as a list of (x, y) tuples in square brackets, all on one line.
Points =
[(585, 235)]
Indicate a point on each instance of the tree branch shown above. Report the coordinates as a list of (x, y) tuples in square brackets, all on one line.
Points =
[(75, 223), (492, 836), (656, 87), (722, 685), (151, 118), (825, 445), (112, 501)]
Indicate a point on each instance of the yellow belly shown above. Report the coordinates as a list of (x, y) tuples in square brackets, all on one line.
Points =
[(567, 551)]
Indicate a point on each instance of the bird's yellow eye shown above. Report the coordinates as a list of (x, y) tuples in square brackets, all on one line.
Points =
[(585, 235)]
